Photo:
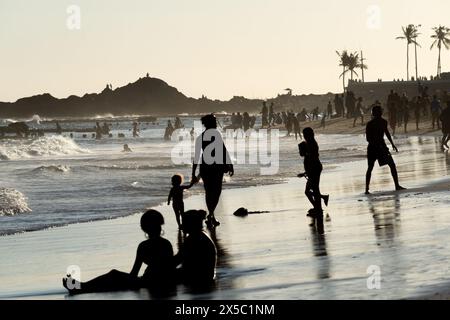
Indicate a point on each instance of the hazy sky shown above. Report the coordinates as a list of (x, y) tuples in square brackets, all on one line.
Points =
[(254, 48)]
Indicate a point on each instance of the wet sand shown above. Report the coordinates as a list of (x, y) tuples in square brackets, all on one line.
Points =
[(280, 254)]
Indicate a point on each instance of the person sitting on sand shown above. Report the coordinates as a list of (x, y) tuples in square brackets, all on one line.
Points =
[(377, 149), (126, 148), (309, 149), (176, 194), (198, 254), (156, 252)]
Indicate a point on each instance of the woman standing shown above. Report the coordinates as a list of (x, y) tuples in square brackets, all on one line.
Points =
[(214, 160)]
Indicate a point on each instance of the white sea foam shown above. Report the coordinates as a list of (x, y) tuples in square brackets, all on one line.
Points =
[(45, 146), (12, 202), (53, 168)]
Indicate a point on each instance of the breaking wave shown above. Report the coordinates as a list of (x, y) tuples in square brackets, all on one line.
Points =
[(53, 168), (12, 202), (44, 146)]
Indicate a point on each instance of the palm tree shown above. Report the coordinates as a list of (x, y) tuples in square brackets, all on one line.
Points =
[(343, 62), (410, 35), (416, 44), (354, 62), (441, 36)]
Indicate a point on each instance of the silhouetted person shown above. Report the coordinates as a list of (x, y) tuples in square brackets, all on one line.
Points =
[(417, 106), (156, 252), (288, 124), (126, 148), (350, 103), (435, 111), (58, 128), (309, 149), (135, 130), (198, 254), (106, 128), (377, 149), (358, 113), (445, 119), (239, 120), (169, 130), (329, 109), (392, 110), (214, 160), (405, 111), (246, 121), (178, 123), (176, 195), (98, 131), (297, 127), (264, 115)]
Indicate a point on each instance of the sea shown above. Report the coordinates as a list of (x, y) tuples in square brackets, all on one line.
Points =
[(55, 180)]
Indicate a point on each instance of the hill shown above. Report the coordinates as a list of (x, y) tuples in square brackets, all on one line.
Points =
[(146, 96)]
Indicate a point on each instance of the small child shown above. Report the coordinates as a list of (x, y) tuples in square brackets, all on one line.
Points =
[(176, 195)]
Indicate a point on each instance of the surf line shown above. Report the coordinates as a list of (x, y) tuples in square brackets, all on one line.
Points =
[(186, 310)]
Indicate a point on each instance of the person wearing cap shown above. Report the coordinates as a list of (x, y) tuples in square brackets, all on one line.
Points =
[(377, 149)]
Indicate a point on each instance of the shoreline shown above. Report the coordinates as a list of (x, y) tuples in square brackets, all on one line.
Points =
[(270, 255)]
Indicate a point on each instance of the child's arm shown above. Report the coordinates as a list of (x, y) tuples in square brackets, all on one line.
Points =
[(137, 263), (188, 186)]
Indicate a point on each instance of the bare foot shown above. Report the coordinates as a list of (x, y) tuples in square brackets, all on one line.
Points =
[(367, 192), (398, 188)]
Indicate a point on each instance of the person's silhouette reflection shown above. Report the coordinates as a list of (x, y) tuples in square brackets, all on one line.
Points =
[(319, 247), (385, 213)]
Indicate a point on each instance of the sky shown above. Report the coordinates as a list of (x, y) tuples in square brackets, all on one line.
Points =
[(221, 49)]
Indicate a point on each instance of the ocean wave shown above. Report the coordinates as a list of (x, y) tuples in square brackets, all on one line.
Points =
[(52, 168), (12, 202), (44, 146), (138, 167)]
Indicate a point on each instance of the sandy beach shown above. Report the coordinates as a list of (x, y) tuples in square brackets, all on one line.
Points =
[(345, 126), (280, 254)]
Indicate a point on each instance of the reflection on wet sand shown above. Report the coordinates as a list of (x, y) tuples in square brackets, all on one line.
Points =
[(319, 248)]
